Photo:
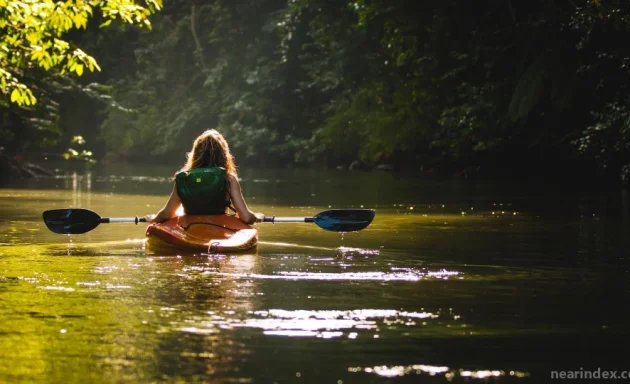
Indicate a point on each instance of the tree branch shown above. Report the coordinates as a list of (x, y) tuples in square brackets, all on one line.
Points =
[(193, 28), (511, 11)]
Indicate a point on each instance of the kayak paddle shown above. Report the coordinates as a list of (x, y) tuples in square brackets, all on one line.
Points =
[(336, 220), (79, 220)]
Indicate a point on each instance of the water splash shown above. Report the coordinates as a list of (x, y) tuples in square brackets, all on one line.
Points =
[(347, 252)]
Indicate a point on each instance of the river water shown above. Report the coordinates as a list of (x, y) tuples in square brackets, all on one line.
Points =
[(454, 281)]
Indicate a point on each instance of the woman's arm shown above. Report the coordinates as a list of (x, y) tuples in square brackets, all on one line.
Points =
[(236, 196), (168, 210)]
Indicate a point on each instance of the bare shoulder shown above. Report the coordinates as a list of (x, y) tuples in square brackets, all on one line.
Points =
[(231, 179)]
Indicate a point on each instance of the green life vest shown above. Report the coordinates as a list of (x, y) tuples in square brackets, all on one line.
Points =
[(202, 191)]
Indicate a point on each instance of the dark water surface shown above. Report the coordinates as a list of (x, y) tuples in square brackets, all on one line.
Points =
[(454, 281)]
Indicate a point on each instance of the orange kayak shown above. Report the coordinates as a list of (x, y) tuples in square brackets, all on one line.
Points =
[(204, 233)]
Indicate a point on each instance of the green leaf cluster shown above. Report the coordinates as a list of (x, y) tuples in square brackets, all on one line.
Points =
[(33, 37)]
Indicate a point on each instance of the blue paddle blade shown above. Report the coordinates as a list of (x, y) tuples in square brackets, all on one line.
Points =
[(344, 220), (71, 221)]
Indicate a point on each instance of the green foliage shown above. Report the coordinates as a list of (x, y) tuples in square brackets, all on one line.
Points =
[(33, 37), (604, 68), (366, 80), (443, 85), (39, 55), (74, 154), (207, 65), (608, 139), (529, 90)]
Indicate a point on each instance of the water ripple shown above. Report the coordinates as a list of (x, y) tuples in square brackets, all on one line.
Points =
[(407, 275), (449, 374), (314, 323)]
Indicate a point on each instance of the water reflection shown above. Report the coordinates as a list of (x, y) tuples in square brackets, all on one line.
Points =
[(323, 323), (409, 275), (425, 292), (448, 373), (80, 184), (186, 297)]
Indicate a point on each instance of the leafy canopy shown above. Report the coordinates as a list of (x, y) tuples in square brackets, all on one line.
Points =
[(32, 36)]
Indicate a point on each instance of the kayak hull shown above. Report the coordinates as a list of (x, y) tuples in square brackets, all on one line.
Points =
[(203, 233)]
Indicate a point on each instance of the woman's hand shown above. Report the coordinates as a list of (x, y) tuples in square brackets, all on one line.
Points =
[(168, 211), (149, 218), (236, 197)]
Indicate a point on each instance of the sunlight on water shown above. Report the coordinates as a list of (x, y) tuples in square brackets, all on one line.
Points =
[(294, 245), (448, 373), (349, 252), (312, 323), (56, 288), (458, 280), (372, 276)]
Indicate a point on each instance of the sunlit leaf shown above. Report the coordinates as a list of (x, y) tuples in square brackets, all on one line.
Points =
[(15, 95)]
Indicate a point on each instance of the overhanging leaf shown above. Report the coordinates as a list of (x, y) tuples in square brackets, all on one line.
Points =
[(529, 89)]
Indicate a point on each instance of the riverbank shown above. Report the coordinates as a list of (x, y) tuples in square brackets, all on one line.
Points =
[(12, 168), (557, 173)]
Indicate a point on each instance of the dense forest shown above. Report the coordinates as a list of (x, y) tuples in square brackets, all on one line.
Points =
[(447, 87)]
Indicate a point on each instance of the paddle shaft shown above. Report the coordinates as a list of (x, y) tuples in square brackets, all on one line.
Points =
[(135, 220), (288, 219), (79, 220), (266, 220)]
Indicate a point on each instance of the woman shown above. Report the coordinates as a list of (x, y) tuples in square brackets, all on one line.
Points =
[(207, 183)]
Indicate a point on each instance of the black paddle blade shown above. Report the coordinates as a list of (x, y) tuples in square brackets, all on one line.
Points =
[(71, 221), (344, 220)]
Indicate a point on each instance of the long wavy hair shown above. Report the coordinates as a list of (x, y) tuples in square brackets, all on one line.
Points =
[(209, 150)]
